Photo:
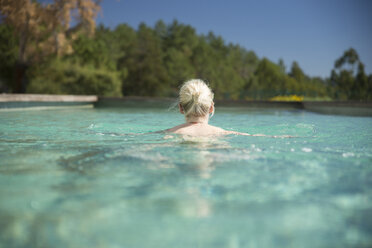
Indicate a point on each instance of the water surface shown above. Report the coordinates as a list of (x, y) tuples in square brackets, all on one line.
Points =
[(101, 178)]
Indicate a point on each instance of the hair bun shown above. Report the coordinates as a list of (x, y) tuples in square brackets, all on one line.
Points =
[(196, 98)]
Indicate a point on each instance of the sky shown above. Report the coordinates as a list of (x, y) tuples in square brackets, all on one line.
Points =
[(314, 32)]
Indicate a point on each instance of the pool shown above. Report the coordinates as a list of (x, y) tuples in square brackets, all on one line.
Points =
[(100, 177)]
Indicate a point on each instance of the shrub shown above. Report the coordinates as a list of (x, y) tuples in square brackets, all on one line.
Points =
[(64, 77), (291, 98)]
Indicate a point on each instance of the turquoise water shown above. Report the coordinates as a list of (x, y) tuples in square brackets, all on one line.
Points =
[(99, 178)]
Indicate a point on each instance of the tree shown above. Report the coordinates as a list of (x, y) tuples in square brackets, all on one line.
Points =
[(282, 65), (179, 43), (45, 29), (91, 69), (147, 75), (269, 81), (8, 55), (63, 76), (349, 58), (349, 78), (147, 61), (361, 89), (297, 73)]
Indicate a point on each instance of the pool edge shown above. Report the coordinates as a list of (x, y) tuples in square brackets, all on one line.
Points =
[(15, 102)]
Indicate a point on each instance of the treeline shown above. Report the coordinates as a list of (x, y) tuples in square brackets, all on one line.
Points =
[(154, 61)]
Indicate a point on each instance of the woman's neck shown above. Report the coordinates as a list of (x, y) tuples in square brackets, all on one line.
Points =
[(202, 119)]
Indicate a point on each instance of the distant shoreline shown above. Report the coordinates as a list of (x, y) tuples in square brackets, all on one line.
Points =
[(40, 101)]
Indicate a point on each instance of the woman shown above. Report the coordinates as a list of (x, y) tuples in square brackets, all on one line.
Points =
[(196, 103)]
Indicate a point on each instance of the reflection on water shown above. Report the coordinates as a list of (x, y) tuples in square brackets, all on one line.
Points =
[(104, 179)]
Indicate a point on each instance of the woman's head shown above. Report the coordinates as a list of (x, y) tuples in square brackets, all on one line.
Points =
[(196, 98)]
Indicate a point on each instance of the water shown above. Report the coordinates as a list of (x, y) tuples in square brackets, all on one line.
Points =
[(100, 178)]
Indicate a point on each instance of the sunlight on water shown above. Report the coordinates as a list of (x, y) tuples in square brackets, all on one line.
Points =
[(104, 178)]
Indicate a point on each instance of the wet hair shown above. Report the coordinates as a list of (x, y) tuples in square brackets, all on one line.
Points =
[(196, 98)]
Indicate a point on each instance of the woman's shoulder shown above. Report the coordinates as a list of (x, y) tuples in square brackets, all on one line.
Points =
[(217, 129), (198, 130), (174, 129), (226, 132)]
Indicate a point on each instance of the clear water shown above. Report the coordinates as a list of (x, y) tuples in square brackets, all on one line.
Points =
[(98, 178)]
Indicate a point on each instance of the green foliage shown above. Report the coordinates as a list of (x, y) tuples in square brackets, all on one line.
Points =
[(147, 74), (269, 81), (282, 65), (309, 87), (91, 51), (178, 43), (8, 57), (297, 73), (65, 77), (350, 57), (348, 80), (155, 61)]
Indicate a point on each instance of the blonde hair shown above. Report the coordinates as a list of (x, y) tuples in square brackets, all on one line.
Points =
[(196, 98)]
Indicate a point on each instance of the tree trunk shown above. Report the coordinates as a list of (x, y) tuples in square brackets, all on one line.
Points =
[(20, 78)]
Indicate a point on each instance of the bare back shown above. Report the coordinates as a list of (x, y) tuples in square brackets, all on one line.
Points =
[(203, 129), (197, 129)]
